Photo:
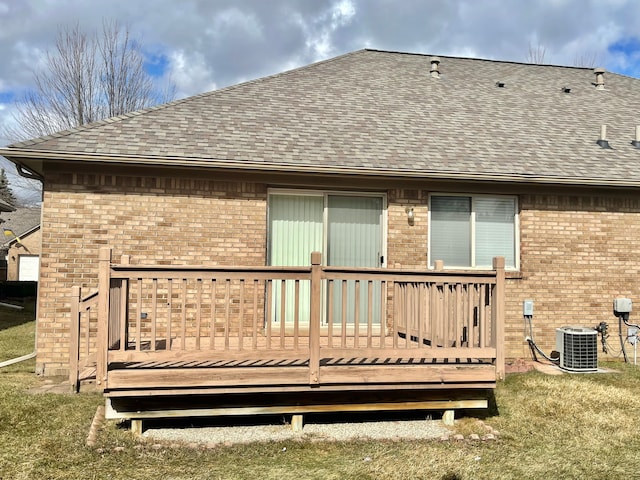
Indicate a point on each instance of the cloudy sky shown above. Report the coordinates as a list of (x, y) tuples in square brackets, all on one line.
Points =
[(207, 44)]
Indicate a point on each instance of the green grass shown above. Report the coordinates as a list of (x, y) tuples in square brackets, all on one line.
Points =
[(565, 427)]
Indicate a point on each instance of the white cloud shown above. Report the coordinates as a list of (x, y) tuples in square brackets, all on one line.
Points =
[(190, 73), (211, 44)]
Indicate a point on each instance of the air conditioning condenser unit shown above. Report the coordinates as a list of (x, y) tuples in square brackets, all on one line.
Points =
[(578, 348)]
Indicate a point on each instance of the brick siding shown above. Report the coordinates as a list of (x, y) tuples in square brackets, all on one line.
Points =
[(577, 252), (155, 220)]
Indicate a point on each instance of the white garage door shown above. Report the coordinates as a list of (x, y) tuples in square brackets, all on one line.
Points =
[(28, 268)]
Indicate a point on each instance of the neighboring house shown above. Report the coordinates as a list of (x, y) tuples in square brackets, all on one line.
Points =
[(4, 207), (374, 158), (22, 244)]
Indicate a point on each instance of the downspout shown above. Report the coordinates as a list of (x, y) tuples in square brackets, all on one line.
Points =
[(29, 356), (25, 172), (18, 359)]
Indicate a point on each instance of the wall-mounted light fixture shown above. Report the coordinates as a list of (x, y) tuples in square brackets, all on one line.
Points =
[(410, 215)]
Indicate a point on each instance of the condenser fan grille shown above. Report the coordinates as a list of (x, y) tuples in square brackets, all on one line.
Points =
[(578, 348)]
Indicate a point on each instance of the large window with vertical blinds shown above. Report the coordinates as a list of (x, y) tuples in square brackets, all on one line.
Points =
[(468, 231), (348, 229)]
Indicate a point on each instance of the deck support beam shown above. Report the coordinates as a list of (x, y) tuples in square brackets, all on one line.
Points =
[(115, 411)]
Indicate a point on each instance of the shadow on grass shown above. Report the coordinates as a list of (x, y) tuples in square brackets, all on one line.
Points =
[(12, 317)]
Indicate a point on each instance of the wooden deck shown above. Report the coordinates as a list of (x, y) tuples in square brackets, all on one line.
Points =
[(165, 332)]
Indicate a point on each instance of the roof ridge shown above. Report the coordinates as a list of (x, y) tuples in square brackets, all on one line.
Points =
[(493, 60), (144, 111)]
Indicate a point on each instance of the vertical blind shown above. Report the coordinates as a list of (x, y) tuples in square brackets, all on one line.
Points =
[(354, 231), (295, 230), (353, 238)]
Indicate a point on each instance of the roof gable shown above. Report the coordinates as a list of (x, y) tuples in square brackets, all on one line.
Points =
[(20, 223), (376, 112)]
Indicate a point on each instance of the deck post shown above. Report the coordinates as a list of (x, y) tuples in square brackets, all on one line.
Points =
[(104, 290), (137, 427), (497, 330), (449, 417), (314, 320), (297, 423), (74, 340), (124, 302)]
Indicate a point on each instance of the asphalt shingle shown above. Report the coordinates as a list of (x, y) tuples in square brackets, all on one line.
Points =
[(374, 110)]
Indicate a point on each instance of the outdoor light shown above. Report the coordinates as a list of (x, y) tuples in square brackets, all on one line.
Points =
[(410, 216)]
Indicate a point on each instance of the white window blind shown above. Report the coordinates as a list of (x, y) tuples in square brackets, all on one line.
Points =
[(495, 230), (468, 231), (451, 230)]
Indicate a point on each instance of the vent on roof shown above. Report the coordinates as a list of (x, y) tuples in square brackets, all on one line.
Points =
[(636, 142), (602, 141), (566, 89), (435, 67), (500, 84), (599, 73)]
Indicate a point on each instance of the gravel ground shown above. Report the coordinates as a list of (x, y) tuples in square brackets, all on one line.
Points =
[(229, 435)]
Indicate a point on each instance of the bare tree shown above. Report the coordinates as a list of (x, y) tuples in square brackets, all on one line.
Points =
[(123, 80), (536, 54), (587, 60), (86, 78)]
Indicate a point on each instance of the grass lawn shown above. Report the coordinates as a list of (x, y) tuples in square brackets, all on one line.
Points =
[(564, 427)]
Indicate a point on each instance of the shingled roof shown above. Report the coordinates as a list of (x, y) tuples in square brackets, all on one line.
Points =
[(19, 223), (382, 113)]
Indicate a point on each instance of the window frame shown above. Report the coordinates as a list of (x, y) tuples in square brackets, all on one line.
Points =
[(472, 220)]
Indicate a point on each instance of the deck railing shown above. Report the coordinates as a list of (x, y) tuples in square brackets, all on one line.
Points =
[(305, 316), (83, 329)]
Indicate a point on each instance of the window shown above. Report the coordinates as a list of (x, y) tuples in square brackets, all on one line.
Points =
[(468, 231)]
